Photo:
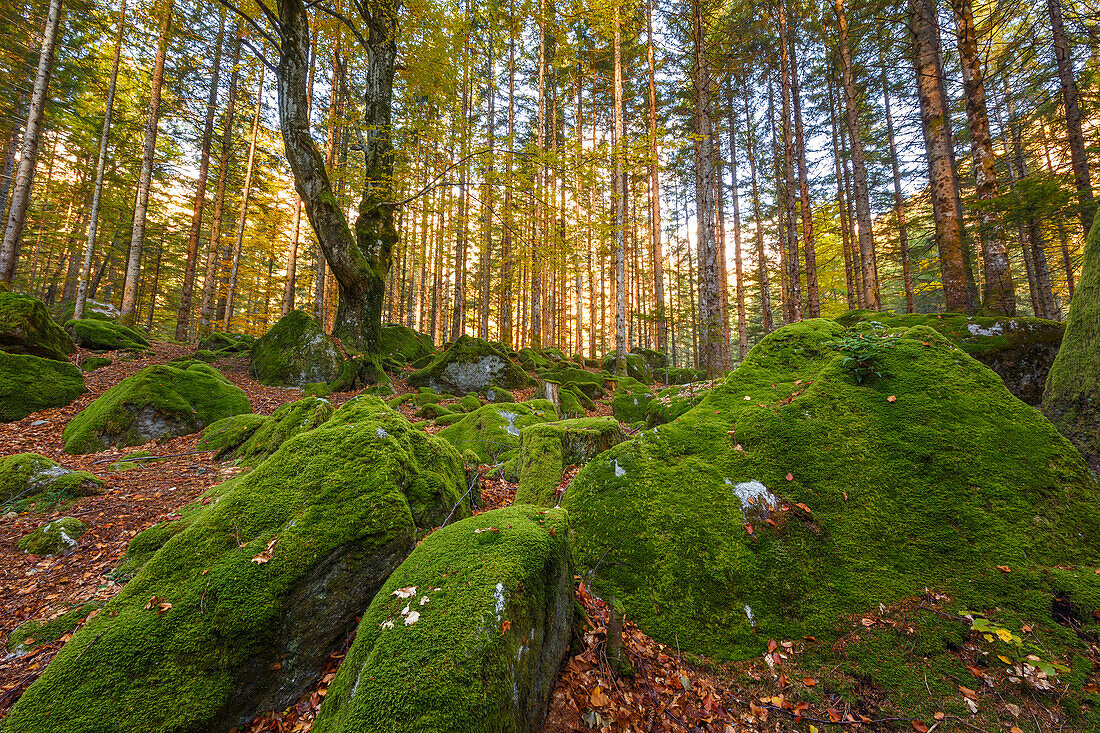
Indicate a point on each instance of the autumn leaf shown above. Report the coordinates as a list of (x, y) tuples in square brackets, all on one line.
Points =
[(408, 592), (1004, 568), (748, 527), (892, 398), (598, 698), (790, 477), (809, 681), (505, 627), (919, 726)]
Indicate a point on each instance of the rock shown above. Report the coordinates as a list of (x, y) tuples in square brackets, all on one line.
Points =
[(294, 353), (92, 363), (630, 401), (27, 328), (928, 477), (229, 342), (591, 384), (404, 344), (1072, 397), (239, 612), (470, 365), (489, 604), (468, 403), (98, 335), (157, 403), (58, 537), (30, 383), (636, 367), (92, 309), (30, 477), (252, 438), (1020, 350), (546, 450), (678, 376), (495, 394), (654, 360), (493, 430)]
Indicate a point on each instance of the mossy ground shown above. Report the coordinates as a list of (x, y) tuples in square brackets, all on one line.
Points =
[(470, 365), (482, 655), (94, 362), (493, 430), (156, 403), (98, 335), (27, 328), (935, 488), (350, 494), (31, 634), (30, 383), (229, 342), (295, 352)]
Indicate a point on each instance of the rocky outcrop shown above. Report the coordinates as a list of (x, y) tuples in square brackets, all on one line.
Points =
[(27, 328), (470, 365), (100, 335), (547, 449)]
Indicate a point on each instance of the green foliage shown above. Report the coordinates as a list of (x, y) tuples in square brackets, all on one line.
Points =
[(31, 634), (864, 353), (30, 383)]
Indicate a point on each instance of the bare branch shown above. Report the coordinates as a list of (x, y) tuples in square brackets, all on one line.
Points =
[(256, 26)]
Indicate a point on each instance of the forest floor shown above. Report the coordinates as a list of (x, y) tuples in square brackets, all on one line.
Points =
[(668, 691)]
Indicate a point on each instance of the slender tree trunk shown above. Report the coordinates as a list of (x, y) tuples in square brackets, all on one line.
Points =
[(506, 264), (850, 278), (32, 134), (758, 225), (619, 196), (655, 194), (742, 317), (794, 269), (809, 245), (155, 287), (958, 280), (861, 195), (206, 303), (710, 305), (128, 312), (998, 295), (899, 202), (292, 251), (1070, 100), (183, 317), (458, 315), (242, 217), (101, 164), (487, 193)]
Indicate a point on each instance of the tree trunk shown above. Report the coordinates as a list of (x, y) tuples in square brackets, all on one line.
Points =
[(242, 217), (710, 306), (809, 245), (618, 193), (458, 314), (742, 318), (958, 280), (1070, 100), (101, 164), (206, 304), (850, 278), (899, 202), (758, 225), (794, 270), (360, 260), (128, 312), (655, 194), (998, 295), (183, 317), (32, 134)]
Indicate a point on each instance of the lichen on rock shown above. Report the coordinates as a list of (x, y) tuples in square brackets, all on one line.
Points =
[(470, 365)]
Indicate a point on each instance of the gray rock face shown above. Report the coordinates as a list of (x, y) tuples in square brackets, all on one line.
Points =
[(470, 365)]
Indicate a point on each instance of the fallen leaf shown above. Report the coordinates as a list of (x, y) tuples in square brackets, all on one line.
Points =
[(790, 477), (892, 398), (809, 681), (939, 716), (1004, 568), (504, 627), (919, 726), (968, 693), (412, 618), (748, 527), (598, 698), (408, 592)]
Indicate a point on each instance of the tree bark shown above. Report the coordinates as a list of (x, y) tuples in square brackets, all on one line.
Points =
[(809, 245), (742, 317), (619, 198), (242, 217), (899, 202), (1070, 100), (710, 305), (183, 317), (32, 134), (793, 301), (128, 311), (758, 225), (958, 280), (655, 194)]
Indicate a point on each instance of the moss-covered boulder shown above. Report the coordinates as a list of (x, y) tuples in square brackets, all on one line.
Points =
[(1072, 396), (1020, 350), (679, 376), (27, 328), (636, 367), (467, 635), (671, 402), (497, 395), (655, 360), (157, 403), (591, 384), (53, 538), (631, 400), (227, 342), (30, 477), (403, 343), (546, 450), (30, 383), (252, 438), (493, 430), (240, 611), (94, 362), (294, 353), (99, 335), (855, 493), (470, 365), (227, 434)]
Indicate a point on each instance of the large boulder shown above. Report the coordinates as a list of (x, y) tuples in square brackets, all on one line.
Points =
[(30, 477), (252, 438), (99, 335), (492, 432), (27, 328), (470, 365), (1020, 350), (466, 636), (157, 403), (227, 342), (404, 344), (294, 353), (30, 383), (795, 494), (239, 611), (636, 367), (547, 449)]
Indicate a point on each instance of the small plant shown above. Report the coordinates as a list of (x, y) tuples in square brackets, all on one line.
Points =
[(1022, 657), (863, 353)]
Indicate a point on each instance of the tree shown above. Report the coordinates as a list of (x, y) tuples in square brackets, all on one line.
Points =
[(1072, 105)]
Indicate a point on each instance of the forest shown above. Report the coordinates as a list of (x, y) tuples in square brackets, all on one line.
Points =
[(535, 365)]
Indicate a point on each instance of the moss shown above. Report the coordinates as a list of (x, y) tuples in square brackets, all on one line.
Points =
[(53, 538), (493, 430), (674, 401), (274, 571), (31, 634), (588, 383), (654, 360), (636, 367), (227, 342), (680, 376), (97, 335), (1072, 396), (569, 404), (403, 343), (546, 450), (533, 359), (158, 402), (931, 490), (94, 362), (29, 384), (227, 434), (495, 394), (484, 651), (295, 352), (469, 403), (422, 361), (470, 365), (26, 328), (27, 478), (286, 422), (317, 389), (433, 411), (449, 419), (630, 401)]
